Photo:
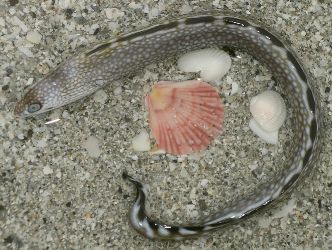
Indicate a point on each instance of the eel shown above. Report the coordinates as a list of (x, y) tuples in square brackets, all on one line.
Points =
[(86, 72)]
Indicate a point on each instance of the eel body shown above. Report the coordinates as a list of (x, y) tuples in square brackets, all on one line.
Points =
[(85, 73)]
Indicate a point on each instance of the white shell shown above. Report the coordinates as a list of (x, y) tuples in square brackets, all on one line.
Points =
[(212, 64), (269, 137), (269, 110), (141, 142)]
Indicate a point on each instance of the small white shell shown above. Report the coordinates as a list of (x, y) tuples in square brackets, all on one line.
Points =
[(269, 110), (141, 142), (212, 64), (269, 137)]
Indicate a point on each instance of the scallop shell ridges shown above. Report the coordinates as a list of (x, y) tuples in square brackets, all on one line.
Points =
[(184, 117)]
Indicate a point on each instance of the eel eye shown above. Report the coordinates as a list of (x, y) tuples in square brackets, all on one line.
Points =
[(34, 107)]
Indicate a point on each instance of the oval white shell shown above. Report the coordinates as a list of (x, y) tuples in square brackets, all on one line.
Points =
[(212, 64), (269, 110), (141, 142), (269, 137)]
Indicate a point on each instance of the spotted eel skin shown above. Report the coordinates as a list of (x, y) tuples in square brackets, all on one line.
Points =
[(85, 73)]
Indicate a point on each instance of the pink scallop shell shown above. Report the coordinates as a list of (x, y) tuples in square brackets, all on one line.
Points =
[(184, 117)]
